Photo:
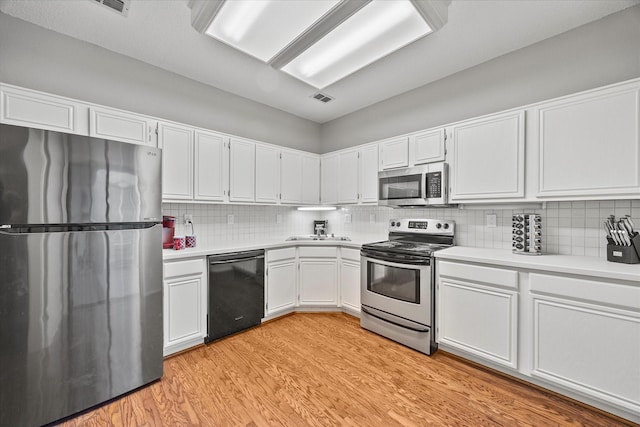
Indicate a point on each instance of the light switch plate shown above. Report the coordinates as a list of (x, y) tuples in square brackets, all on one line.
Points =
[(279, 219), (230, 219), (347, 218), (492, 220), (372, 218)]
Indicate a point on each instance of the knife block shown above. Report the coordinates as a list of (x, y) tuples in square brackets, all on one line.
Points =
[(624, 254)]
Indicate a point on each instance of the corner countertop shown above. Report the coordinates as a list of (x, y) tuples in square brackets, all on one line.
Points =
[(568, 264), (212, 248)]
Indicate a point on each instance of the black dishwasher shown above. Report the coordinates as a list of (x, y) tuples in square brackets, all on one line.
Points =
[(236, 292)]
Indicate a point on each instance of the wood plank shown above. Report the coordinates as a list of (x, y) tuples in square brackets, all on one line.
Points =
[(318, 369)]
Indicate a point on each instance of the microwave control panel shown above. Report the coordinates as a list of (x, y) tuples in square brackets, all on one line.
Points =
[(434, 185)]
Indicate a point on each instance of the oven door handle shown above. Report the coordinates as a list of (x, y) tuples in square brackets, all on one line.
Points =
[(392, 322), (395, 262)]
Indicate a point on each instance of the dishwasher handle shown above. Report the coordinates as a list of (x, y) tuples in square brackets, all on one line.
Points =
[(235, 257)]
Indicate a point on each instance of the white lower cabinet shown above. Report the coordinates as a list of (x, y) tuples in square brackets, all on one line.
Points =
[(185, 304), (350, 280), (586, 337), (281, 281), (578, 335), (478, 311), (318, 276)]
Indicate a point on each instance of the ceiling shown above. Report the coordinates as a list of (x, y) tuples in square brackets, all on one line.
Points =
[(159, 32)]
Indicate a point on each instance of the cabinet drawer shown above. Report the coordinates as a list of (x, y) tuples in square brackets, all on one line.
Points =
[(475, 273), (318, 252), (599, 292), (184, 268), (350, 254), (280, 254)]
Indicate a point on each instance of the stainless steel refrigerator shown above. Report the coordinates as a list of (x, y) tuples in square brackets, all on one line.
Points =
[(80, 272)]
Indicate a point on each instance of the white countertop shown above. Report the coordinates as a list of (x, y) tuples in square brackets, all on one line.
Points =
[(569, 264), (243, 245)]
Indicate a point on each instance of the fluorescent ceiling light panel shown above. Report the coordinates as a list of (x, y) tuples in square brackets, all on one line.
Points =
[(378, 29), (262, 28)]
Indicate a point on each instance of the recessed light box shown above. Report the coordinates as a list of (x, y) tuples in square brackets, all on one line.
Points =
[(262, 28), (376, 30)]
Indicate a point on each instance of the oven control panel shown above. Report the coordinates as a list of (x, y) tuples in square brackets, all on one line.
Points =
[(426, 226)]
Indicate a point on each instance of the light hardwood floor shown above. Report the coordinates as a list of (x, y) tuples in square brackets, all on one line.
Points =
[(324, 370)]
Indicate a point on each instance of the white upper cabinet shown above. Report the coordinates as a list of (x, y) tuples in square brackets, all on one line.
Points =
[(267, 173), (487, 159), (310, 179), (242, 166), (427, 147), (122, 126), (211, 161), (590, 144), (329, 179), (176, 143), (394, 153), (290, 177), (369, 174), (348, 177), (22, 107)]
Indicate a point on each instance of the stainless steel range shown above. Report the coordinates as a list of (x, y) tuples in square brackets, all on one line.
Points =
[(397, 281)]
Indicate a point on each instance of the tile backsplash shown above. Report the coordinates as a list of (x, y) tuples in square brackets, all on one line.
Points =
[(570, 228)]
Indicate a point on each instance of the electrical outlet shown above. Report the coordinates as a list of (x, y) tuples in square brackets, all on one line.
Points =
[(372, 218), (230, 219), (492, 220), (279, 219), (188, 218), (347, 218)]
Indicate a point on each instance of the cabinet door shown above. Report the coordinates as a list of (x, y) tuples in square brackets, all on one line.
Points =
[(37, 110), (488, 158), (586, 336), (369, 174), (394, 153), (590, 144), (348, 177), (267, 174), (121, 126), (350, 285), (329, 175), (478, 319), (183, 311), (290, 177), (176, 143), (211, 167), (427, 147), (281, 286), (242, 171), (310, 179), (318, 282)]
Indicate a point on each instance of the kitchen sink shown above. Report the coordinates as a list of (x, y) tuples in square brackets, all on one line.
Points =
[(314, 237)]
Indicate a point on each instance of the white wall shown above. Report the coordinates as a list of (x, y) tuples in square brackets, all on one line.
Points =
[(40, 59), (596, 54)]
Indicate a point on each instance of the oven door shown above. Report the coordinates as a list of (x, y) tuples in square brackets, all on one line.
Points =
[(401, 288)]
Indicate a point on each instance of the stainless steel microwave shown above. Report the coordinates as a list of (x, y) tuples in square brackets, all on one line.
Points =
[(425, 185)]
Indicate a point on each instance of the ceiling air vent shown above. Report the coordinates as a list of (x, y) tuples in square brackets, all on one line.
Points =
[(322, 97), (119, 6)]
